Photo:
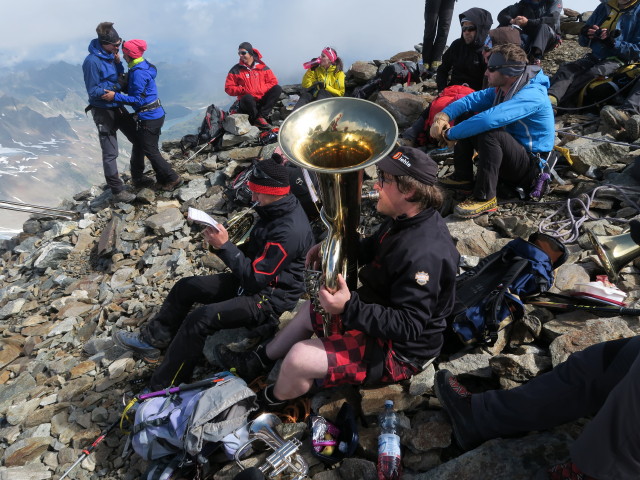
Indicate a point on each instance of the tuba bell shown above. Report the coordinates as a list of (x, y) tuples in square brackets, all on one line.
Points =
[(284, 456), (337, 138), (617, 250)]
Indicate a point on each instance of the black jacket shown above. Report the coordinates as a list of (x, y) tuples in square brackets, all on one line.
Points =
[(408, 285), (272, 262), (463, 63), (544, 11)]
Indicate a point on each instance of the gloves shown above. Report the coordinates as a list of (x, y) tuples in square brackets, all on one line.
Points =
[(440, 123), (445, 142)]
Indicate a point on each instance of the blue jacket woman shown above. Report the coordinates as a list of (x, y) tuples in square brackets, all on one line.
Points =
[(527, 116), (142, 95)]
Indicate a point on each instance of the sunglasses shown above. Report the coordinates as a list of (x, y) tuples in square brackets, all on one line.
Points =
[(469, 29), (382, 179), (495, 68), (258, 173), (242, 52)]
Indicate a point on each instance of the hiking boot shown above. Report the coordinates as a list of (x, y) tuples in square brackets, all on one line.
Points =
[(472, 208), (452, 183), (262, 123), (172, 185), (247, 364), (632, 127), (143, 182), (133, 342), (267, 400), (124, 197), (456, 401), (613, 117), (567, 471)]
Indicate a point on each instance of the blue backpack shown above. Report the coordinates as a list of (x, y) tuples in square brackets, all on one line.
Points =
[(489, 296)]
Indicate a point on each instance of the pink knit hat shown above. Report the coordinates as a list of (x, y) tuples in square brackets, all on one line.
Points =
[(134, 48), (330, 53)]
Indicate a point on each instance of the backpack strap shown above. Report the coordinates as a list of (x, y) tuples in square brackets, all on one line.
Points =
[(496, 298)]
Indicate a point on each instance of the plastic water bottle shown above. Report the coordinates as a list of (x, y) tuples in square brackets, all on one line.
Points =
[(389, 459)]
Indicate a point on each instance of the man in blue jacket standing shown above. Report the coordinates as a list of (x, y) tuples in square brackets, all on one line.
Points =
[(512, 131), (102, 69)]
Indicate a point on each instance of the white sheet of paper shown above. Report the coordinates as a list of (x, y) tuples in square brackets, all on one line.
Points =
[(201, 217)]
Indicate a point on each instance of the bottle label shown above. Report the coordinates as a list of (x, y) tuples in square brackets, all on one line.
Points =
[(389, 444)]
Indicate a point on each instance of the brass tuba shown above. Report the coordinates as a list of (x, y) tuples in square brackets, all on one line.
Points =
[(618, 250), (337, 138)]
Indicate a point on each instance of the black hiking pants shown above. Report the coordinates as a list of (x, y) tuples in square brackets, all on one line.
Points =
[(540, 41), (147, 138), (108, 121), (259, 108), (572, 77), (500, 158), (437, 21), (185, 333), (307, 97), (602, 380)]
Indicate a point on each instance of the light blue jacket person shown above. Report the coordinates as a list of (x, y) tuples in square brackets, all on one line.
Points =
[(527, 115)]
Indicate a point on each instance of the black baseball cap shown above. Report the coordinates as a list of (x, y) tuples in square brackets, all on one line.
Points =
[(412, 162)]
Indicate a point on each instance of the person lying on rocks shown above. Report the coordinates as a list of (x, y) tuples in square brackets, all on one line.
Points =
[(600, 381), (463, 64), (266, 279), (512, 131), (613, 34), (392, 326), (324, 78), (539, 24), (255, 85)]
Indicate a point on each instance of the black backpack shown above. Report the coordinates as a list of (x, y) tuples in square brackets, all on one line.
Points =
[(210, 131), (489, 296)]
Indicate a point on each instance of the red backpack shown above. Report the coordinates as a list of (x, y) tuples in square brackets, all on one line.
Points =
[(449, 95)]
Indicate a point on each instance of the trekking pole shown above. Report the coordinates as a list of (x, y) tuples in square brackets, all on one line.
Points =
[(87, 451), (220, 377), (625, 311), (203, 147)]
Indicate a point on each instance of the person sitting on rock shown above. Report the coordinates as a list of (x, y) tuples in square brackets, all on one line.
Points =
[(266, 279), (613, 34), (600, 381), (392, 326), (512, 131), (142, 95), (324, 78), (255, 85), (463, 64), (539, 23)]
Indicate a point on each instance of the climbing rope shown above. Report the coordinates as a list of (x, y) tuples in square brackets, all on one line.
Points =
[(564, 224)]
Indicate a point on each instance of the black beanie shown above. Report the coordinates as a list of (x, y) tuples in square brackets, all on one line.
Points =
[(248, 47), (269, 177), (107, 34)]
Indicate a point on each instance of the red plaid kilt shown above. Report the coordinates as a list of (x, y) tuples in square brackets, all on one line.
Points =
[(346, 354)]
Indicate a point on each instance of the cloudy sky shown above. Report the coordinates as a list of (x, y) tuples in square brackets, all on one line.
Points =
[(288, 32)]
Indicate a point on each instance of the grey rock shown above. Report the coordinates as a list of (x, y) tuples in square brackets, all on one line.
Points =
[(568, 276), (16, 390), (194, 189), (594, 331), (473, 364), (519, 368), (362, 71), (404, 107), (12, 308), (237, 124), (472, 239), (166, 221), (27, 472), (52, 254)]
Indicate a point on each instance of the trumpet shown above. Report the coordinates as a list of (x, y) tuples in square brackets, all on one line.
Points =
[(284, 454)]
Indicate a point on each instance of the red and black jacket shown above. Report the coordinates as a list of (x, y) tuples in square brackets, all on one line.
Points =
[(272, 261), (408, 285), (254, 80)]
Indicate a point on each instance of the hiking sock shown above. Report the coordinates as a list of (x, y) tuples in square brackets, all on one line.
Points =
[(265, 361), (268, 401)]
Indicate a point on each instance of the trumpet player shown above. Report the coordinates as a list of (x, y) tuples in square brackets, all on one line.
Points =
[(266, 279), (392, 326)]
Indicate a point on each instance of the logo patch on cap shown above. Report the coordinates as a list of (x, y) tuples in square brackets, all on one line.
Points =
[(422, 278), (401, 157)]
